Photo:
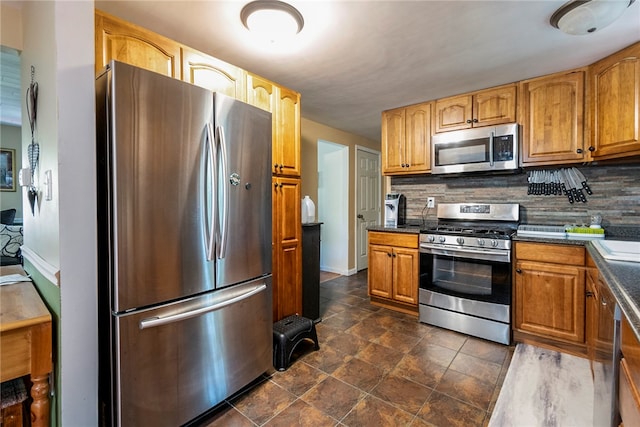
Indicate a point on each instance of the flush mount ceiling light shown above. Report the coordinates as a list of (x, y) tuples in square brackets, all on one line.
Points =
[(272, 19), (587, 16)]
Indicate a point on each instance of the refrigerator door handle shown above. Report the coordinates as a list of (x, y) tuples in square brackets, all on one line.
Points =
[(159, 321), (224, 186), (210, 159)]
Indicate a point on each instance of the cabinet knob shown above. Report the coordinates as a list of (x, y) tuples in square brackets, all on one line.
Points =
[(275, 185), (475, 120), (603, 302), (394, 254), (519, 271), (592, 148), (275, 166), (468, 120), (579, 151), (588, 294), (389, 254), (360, 216)]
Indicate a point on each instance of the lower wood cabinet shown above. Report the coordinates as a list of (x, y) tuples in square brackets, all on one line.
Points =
[(393, 270), (549, 295), (287, 248), (629, 385)]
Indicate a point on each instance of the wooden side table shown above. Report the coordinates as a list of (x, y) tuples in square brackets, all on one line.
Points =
[(26, 341)]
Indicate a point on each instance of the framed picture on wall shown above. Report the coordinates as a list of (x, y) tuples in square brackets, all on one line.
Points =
[(7, 169)]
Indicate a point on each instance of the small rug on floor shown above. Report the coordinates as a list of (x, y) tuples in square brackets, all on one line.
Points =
[(545, 388)]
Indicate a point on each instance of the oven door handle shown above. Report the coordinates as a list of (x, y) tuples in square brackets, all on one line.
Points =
[(485, 254)]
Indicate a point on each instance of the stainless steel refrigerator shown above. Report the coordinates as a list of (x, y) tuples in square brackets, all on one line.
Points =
[(184, 205)]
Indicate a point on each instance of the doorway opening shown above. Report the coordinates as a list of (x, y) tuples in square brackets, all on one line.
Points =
[(333, 206)]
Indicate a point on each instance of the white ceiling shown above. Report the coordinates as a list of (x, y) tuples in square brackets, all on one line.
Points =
[(354, 59)]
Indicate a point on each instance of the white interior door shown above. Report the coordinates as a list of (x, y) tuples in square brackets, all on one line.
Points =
[(367, 200)]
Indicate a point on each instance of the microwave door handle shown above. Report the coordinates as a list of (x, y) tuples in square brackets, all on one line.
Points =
[(491, 148)]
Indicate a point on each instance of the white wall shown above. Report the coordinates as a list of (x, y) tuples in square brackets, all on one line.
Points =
[(59, 42)]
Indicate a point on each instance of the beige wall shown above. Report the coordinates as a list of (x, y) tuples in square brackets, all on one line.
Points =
[(11, 20), (311, 133)]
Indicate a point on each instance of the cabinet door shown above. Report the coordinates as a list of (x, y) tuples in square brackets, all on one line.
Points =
[(552, 118), (615, 101), (287, 269), (380, 275), (125, 42), (213, 74), (418, 138), (550, 300), (453, 113), (393, 131), (261, 93), (494, 106), (405, 275), (286, 145)]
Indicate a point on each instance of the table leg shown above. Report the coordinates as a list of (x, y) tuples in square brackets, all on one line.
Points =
[(40, 404)]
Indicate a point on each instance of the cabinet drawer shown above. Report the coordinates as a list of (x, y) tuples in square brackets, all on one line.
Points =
[(629, 400), (558, 254), (394, 239)]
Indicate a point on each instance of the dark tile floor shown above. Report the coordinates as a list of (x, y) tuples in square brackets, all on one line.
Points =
[(375, 367)]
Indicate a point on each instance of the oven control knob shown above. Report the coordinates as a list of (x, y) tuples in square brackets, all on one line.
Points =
[(480, 242), (431, 238), (460, 240), (442, 239), (494, 243)]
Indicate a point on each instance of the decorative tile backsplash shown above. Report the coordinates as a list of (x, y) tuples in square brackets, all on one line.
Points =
[(616, 196)]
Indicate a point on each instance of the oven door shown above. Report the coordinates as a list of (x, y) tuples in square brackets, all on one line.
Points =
[(473, 274)]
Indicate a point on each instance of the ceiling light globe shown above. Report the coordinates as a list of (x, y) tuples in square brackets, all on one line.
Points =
[(579, 17), (271, 19)]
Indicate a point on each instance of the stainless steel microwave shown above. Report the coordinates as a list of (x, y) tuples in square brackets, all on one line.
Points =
[(490, 148)]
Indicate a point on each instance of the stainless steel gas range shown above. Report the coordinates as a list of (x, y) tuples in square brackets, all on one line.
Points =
[(465, 269)]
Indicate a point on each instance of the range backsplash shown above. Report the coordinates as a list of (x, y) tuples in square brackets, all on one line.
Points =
[(616, 196)]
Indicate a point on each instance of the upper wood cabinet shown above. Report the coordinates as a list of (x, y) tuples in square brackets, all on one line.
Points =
[(213, 74), (615, 104), (483, 108), (551, 111), (406, 139), (284, 105), (125, 42), (286, 145)]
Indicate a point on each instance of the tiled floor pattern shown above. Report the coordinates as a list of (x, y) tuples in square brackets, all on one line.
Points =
[(375, 367)]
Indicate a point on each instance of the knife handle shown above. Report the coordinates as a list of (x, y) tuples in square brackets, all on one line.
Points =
[(568, 193), (586, 188), (581, 195)]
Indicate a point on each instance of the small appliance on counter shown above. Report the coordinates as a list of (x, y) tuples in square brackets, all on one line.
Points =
[(394, 210)]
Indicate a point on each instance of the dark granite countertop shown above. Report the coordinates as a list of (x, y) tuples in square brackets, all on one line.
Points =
[(410, 229), (623, 278)]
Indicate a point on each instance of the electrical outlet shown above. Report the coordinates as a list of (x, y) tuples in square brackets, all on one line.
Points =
[(431, 202)]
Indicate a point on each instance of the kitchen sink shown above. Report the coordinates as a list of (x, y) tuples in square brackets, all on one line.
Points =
[(618, 250)]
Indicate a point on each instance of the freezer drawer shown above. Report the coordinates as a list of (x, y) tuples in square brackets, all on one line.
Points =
[(175, 362)]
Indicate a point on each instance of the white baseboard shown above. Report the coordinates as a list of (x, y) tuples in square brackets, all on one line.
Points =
[(49, 271), (342, 272)]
